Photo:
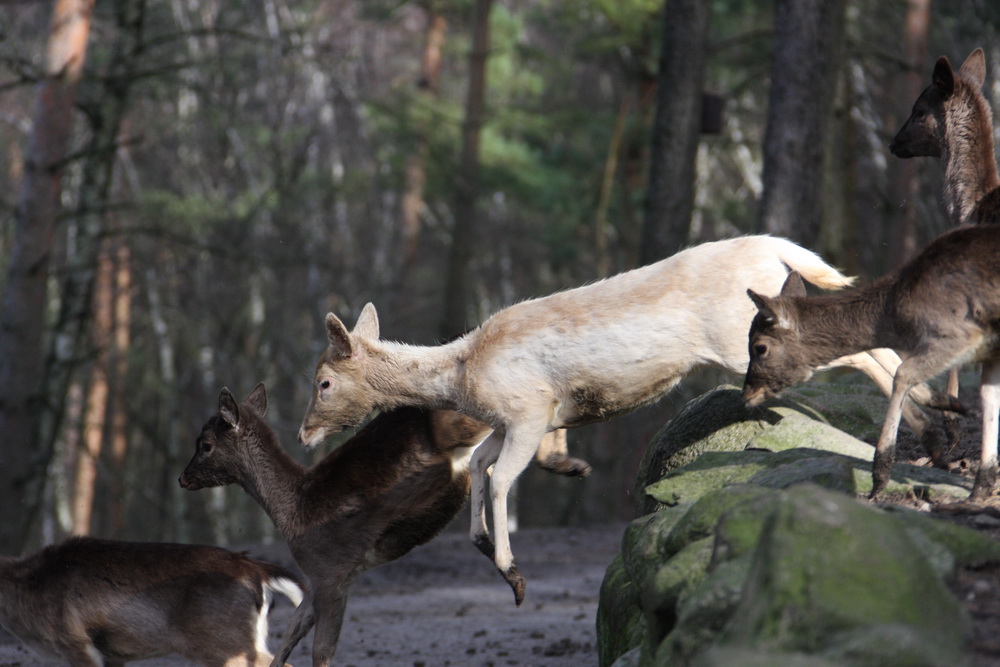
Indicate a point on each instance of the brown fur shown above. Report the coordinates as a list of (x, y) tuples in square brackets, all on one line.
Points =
[(391, 487), (952, 120), (938, 311), (89, 601)]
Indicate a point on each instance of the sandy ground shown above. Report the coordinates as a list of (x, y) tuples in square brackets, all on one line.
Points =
[(444, 604)]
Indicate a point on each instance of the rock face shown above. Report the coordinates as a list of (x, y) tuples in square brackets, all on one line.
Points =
[(752, 549)]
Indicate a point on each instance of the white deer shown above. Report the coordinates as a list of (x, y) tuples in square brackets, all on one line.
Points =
[(571, 358)]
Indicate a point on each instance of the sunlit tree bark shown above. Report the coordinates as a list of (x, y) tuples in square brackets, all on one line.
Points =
[(416, 162), (22, 312)]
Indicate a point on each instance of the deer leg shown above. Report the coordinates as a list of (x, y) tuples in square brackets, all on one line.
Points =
[(989, 392), (329, 609), (553, 455), (953, 420), (484, 456), (885, 450), (880, 365), (520, 445), (81, 653), (301, 623)]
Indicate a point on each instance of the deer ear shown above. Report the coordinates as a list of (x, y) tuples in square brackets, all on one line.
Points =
[(793, 285), (228, 410), (337, 335), (367, 325), (943, 76), (974, 67), (256, 400), (764, 306)]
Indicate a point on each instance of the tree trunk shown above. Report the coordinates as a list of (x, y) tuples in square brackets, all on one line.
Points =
[(416, 163), (807, 47), (119, 368), (456, 292), (95, 412), (23, 463), (905, 185), (670, 191), (70, 343)]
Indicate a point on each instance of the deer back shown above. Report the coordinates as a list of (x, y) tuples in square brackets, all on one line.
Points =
[(129, 601)]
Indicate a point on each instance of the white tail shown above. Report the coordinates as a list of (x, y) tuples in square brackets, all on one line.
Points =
[(571, 358), (93, 602)]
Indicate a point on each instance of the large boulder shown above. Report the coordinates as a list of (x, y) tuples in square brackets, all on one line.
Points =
[(755, 550)]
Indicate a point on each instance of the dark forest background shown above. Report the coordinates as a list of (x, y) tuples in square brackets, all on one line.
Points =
[(188, 186)]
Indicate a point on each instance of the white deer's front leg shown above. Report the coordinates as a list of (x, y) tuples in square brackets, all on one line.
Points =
[(519, 447), (484, 456)]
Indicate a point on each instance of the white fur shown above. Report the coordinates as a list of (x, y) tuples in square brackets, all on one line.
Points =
[(573, 357)]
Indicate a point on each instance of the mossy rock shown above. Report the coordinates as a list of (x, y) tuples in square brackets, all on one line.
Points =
[(620, 622), (828, 567), (720, 421)]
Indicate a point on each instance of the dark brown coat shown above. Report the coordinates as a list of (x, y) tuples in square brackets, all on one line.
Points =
[(92, 602), (938, 311), (393, 486)]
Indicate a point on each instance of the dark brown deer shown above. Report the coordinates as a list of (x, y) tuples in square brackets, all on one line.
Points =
[(938, 311), (96, 602), (952, 120), (393, 486)]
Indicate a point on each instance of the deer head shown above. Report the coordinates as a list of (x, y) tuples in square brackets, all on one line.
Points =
[(777, 352), (341, 394), (216, 457), (923, 134)]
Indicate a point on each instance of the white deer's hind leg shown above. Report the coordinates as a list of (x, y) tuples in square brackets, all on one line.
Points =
[(519, 447), (989, 392), (484, 456)]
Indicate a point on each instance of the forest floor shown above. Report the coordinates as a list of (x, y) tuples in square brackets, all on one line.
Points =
[(444, 604)]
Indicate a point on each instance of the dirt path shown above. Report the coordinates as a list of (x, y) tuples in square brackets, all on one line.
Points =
[(444, 604)]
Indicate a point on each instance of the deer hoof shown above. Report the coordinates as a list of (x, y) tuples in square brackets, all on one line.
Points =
[(517, 584), (569, 466)]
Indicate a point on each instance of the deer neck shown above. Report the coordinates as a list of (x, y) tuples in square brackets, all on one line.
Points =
[(841, 324), (420, 376), (970, 162), (272, 477)]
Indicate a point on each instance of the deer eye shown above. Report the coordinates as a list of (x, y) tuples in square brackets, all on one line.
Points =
[(760, 350), (206, 448), (324, 384)]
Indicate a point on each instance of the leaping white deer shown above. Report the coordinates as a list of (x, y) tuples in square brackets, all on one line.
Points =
[(571, 358)]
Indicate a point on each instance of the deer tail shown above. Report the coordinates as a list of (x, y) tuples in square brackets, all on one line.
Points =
[(811, 266)]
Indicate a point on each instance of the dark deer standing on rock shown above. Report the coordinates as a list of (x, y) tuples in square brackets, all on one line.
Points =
[(938, 311), (393, 486), (96, 602), (575, 357), (952, 120)]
